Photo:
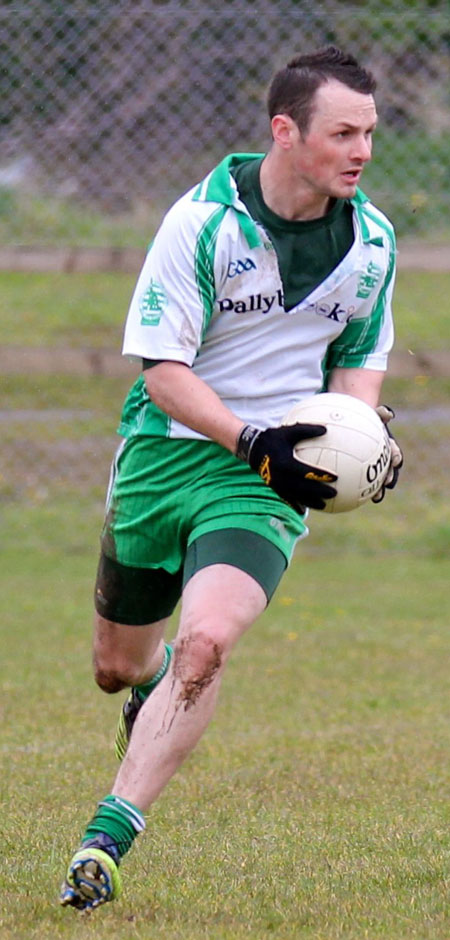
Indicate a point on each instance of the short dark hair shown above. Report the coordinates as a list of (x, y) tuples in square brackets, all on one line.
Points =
[(293, 87)]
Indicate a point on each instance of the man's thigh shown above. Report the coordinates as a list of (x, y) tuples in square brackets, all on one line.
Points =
[(220, 602), (128, 594), (244, 550), (132, 608), (135, 597)]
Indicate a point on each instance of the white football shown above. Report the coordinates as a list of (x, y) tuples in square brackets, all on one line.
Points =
[(355, 447)]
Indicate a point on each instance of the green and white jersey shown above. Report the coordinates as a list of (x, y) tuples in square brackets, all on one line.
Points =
[(210, 295)]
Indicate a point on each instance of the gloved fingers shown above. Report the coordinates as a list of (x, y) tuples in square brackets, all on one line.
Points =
[(392, 478), (396, 454), (301, 432), (302, 485), (378, 498), (313, 475), (394, 466), (392, 475), (385, 413)]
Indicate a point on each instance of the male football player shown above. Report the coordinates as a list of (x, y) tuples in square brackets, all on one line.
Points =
[(267, 282)]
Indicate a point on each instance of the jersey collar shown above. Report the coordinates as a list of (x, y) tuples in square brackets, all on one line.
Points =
[(358, 202), (220, 186)]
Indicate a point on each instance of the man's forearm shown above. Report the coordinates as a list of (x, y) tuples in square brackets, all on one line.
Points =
[(362, 383), (186, 398)]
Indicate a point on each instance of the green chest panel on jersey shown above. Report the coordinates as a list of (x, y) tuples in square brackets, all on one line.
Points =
[(307, 252)]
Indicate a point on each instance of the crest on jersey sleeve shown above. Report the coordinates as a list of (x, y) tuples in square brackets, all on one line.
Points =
[(152, 304), (369, 279)]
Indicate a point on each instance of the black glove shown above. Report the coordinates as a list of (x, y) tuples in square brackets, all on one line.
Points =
[(386, 414), (271, 454)]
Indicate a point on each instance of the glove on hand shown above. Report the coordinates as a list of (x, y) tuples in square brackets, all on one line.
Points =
[(271, 454), (386, 414)]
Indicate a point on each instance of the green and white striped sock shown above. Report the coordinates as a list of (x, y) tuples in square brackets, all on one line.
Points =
[(119, 819)]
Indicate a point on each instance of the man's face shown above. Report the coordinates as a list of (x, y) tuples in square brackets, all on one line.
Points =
[(331, 156)]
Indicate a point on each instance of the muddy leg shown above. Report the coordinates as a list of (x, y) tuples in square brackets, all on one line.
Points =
[(177, 713)]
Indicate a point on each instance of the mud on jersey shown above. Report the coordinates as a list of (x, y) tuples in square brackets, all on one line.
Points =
[(210, 295)]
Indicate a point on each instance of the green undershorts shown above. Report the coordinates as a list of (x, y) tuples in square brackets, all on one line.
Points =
[(175, 506)]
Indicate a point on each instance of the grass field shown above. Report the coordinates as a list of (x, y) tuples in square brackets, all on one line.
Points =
[(316, 807)]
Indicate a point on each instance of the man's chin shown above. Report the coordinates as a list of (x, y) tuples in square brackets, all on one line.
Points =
[(346, 190), (351, 182)]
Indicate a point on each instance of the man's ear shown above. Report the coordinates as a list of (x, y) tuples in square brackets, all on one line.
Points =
[(283, 130)]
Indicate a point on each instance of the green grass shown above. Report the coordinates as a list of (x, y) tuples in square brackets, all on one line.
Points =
[(88, 310), (76, 310), (30, 219), (421, 303), (315, 805)]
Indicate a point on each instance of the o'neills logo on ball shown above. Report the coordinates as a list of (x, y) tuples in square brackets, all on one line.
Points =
[(374, 470)]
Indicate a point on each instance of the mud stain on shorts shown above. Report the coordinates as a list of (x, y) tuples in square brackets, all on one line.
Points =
[(108, 540)]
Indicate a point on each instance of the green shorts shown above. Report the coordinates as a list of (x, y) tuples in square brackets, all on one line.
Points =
[(172, 507)]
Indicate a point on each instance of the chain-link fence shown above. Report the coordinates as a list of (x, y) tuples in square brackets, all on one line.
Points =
[(118, 104)]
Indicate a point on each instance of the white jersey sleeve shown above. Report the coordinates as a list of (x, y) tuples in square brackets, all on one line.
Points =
[(175, 290)]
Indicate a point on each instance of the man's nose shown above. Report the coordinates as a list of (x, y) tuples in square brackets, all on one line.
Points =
[(362, 149)]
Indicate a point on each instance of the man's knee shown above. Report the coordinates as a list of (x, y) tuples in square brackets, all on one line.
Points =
[(198, 658), (125, 655), (114, 670), (110, 679)]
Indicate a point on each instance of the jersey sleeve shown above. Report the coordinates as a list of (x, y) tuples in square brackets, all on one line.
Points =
[(367, 341), (174, 293)]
